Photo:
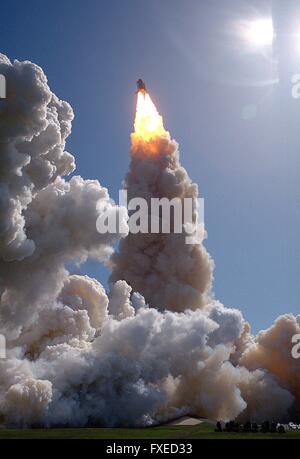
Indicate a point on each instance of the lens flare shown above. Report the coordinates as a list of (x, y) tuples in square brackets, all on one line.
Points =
[(148, 122)]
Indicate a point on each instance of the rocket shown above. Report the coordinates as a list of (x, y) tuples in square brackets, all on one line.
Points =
[(141, 87)]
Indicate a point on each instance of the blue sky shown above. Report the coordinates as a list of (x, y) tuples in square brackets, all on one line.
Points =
[(229, 107)]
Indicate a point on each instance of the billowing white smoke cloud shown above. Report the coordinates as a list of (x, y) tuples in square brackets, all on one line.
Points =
[(79, 356), (45, 221), (169, 273), (272, 350)]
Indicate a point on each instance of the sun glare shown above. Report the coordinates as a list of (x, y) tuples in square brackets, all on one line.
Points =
[(260, 32)]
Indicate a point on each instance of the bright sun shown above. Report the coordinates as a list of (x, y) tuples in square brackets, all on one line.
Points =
[(260, 32)]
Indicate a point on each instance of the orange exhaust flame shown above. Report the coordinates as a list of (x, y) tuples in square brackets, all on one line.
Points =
[(148, 122)]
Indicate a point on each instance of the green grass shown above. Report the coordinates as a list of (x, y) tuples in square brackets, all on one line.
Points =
[(202, 431)]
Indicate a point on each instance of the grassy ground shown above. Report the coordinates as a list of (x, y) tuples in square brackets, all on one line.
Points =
[(202, 431)]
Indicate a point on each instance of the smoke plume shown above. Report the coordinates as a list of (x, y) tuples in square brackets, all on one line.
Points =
[(158, 344)]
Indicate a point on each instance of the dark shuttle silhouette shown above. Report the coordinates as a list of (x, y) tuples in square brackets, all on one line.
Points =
[(141, 87)]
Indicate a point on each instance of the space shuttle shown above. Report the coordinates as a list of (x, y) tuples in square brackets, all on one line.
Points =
[(141, 87)]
